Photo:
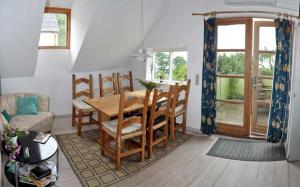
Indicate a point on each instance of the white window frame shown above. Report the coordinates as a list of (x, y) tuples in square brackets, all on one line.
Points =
[(171, 52)]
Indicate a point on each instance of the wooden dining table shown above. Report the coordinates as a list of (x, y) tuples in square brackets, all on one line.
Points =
[(108, 106)]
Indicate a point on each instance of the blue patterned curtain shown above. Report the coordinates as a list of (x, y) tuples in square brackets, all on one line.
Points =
[(279, 111), (208, 107)]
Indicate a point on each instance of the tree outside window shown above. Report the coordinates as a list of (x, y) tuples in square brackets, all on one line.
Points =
[(170, 66)]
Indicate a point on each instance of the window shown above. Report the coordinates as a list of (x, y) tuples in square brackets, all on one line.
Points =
[(55, 31), (170, 66)]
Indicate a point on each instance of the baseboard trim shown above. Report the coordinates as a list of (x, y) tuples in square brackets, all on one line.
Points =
[(63, 116)]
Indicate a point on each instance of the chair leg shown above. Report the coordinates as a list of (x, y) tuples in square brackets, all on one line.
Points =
[(103, 138), (91, 117), (79, 126), (118, 154), (184, 122), (166, 135), (73, 116), (143, 139), (150, 142), (172, 129)]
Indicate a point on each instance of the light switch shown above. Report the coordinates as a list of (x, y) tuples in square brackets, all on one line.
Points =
[(197, 79)]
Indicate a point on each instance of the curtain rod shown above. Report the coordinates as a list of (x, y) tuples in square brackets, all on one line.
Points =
[(238, 12)]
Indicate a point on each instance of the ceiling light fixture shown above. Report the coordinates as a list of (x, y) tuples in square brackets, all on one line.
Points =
[(141, 54)]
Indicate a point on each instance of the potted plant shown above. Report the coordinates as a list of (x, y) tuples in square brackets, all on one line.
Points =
[(10, 137), (149, 85)]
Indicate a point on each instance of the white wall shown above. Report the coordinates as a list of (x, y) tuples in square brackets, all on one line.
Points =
[(52, 75), (114, 33), (82, 13), (294, 123), (21, 22), (53, 78)]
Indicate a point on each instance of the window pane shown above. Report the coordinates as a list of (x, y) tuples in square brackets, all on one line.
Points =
[(264, 92), (230, 88), (267, 39), (161, 65), (179, 66), (54, 29), (231, 63), (231, 36), (230, 113), (266, 64)]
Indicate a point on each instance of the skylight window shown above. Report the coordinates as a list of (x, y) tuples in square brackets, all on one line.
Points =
[(55, 31)]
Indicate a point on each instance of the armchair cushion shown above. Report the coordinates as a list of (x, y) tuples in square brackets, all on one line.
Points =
[(41, 122)]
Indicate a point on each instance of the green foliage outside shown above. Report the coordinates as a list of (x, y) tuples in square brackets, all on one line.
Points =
[(232, 88), (266, 64), (179, 69), (62, 25), (163, 68), (231, 64)]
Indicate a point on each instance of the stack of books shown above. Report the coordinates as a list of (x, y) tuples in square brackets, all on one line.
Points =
[(39, 175)]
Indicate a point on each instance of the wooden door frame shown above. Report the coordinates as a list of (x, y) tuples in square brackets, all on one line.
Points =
[(224, 128), (257, 128)]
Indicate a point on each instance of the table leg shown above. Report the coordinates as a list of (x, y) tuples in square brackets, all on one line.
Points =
[(57, 163), (16, 174), (100, 120)]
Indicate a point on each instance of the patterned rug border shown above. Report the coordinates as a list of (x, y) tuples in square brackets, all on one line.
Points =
[(67, 157), (130, 175)]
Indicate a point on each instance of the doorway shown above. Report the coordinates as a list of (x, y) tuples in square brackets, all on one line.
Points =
[(245, 62)]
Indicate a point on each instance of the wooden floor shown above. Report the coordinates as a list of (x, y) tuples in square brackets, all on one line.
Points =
[(190, 166)]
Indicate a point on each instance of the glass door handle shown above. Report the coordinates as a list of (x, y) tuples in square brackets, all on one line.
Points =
[(254, 81)]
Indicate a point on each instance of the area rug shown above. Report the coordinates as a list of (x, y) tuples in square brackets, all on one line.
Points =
[(247, 150), (92, 169)]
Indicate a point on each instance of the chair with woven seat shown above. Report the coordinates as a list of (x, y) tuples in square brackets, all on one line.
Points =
[(123, 130), (107, 85), (79, 108), (179, 107), (159, 119), (121, 79)]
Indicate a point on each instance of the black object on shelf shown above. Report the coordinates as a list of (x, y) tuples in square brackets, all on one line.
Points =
[(40, 172)]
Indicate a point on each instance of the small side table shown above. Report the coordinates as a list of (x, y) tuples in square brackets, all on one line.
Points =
[(38, 153)]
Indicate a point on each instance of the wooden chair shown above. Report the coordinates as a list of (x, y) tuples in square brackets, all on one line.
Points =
[(79, 108), (179, 108), (159, 119), (105, 91), (125, 129), (121, 79)]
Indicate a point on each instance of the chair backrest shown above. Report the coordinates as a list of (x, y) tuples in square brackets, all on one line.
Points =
[(126, 104), (161, 104), (106, 91), (178, 100), (82, 93), (121, 79)]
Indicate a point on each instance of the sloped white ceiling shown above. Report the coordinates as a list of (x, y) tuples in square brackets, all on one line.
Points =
[(19, 36), (114, 33)]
